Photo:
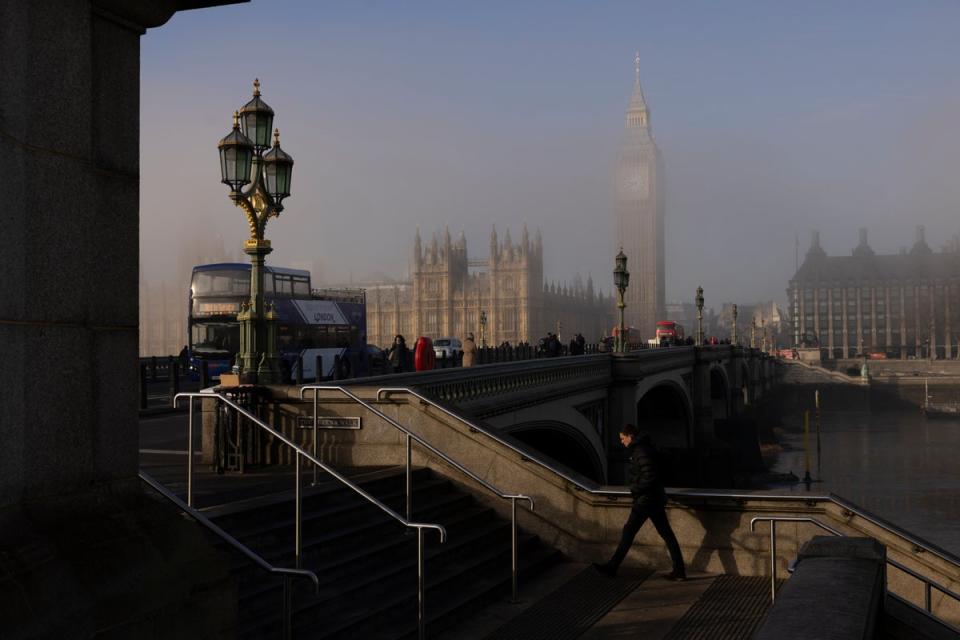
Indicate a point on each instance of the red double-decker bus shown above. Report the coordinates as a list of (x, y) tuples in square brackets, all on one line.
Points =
[(670, 332)]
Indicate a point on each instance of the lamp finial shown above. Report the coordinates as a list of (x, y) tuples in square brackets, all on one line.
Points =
[(256, 86), (236, 119)]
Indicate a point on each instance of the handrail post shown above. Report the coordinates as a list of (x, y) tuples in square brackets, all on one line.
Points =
[(287, 608), (298, 497), (513, 549), (421, 620), (409, 480), (315, 424), (773, 561), (189, 452), (926, 596)]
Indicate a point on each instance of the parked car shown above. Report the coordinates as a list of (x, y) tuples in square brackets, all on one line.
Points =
[(447, 347)]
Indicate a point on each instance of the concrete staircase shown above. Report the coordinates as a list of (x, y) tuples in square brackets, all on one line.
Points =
[(797, 372), (366, 561)]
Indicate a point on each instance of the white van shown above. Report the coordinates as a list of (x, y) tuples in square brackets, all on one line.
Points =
[(446, 346)]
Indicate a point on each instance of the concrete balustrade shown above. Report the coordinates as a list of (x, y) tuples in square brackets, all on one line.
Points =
[(713, 530)]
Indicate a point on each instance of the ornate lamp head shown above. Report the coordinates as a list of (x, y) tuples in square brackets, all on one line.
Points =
[(256, 118), (236, 156), (277, 170)]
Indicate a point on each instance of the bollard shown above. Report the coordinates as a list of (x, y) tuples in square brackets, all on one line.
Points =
[(336, 367), (143, 386), (318, 372), (153, 368), (299, 376), (169, 367), (204, 374), (443, 360)]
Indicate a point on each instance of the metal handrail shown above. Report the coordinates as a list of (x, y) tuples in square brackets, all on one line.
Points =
[(288, 574), (410, 436), (580, 485), (419, 526), (773, 520), (525, 455), (929, 584)]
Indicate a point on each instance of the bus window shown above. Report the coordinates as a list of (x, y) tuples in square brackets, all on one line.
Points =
[(221, 283), (301, 288), (215, 339), (283, 284)]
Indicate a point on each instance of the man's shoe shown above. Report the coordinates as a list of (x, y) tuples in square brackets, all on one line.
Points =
[(675, 577), (605, 569)]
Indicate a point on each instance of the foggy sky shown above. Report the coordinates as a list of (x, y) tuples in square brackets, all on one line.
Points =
[(773, 119)]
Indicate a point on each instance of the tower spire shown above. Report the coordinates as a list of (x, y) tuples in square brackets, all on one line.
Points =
[(637, 113)]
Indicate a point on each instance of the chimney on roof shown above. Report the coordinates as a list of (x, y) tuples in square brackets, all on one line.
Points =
[(815, 251)]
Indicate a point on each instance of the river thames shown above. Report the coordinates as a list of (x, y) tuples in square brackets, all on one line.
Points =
[(902, 467)]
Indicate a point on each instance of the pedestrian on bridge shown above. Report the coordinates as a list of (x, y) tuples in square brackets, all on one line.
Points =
[(649, 498), (469, 351)]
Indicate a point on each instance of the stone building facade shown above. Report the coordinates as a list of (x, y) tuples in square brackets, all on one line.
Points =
[(447, 292), (639, 215), (905, 305)]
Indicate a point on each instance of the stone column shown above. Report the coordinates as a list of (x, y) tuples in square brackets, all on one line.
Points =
[(903, 324), (87, 552), (846, 335), (830, 321), (947, 334), (859, 294), (889, 328)]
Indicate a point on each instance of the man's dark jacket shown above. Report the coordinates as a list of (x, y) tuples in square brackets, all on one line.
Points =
[(645, 479)]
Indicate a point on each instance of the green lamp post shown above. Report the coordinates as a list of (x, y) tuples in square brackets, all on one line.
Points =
[(621, 280), (699, 301), (247, 158)]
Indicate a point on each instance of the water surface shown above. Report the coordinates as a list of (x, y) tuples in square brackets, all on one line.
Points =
[(900, 466)]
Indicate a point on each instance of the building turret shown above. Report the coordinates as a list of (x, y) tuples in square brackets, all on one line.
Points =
[(417, 249), (525, 241), (494, 249), (920, 247), (863, 249)]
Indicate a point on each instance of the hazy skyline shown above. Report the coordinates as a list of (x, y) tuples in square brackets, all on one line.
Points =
[(773, 119)]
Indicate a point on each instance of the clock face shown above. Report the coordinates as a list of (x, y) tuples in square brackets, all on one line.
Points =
[(637, 183)]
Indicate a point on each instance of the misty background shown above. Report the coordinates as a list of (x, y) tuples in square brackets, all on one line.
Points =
[(773, 119)]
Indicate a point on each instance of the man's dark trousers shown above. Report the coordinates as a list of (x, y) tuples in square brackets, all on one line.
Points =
[(638, 515)]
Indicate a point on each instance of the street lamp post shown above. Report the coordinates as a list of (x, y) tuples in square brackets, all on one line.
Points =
[(763, 333), (699, 300), (753, 333), (245, 160), (621, 279), (483, 328), (733, 333)]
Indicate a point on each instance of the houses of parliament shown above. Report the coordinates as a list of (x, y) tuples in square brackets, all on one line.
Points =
[(448, 291)]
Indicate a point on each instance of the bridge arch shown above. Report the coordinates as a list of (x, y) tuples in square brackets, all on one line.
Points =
[(665, 410), (719, 393), (562, 442)]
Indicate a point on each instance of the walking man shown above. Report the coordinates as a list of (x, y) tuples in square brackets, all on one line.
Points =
[(649, 498)]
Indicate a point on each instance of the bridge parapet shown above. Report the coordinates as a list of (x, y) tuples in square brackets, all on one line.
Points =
[(495, 388)]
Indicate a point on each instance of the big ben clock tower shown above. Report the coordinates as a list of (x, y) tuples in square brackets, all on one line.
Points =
[(639, 209)]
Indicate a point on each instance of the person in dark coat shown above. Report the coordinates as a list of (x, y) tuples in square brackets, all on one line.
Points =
[(398, 354), (649, 498)]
